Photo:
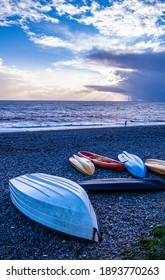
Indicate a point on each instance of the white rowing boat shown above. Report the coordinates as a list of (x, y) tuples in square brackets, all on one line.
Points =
[(55, 202)]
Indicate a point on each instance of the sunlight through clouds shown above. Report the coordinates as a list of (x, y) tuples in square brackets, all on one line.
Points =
[(83, 46)]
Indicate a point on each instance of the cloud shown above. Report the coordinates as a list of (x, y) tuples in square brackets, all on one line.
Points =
[(55, 83), (122, 26), (142, 61), (145, 86), (129, 25), (1, 61), (117, 49), (128, 18), (145, 80), (21, 84), (76, 42), (108, 89), (50, 41), (100, 75), (80, 42), (23, 11), (15, 82), (70, 9)]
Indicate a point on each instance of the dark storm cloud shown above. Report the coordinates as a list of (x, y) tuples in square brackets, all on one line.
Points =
[(146, 82), (144, 61), (145, 86)]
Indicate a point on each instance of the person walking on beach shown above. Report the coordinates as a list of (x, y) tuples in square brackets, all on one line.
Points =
[(125, 123)]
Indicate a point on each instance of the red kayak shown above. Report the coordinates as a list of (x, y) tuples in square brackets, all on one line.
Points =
[(102, 161)]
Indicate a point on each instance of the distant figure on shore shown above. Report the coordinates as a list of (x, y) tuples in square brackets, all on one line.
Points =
[(125, 123)]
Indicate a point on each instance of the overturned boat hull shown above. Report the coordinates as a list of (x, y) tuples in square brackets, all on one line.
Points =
[(122, 184), (55, 202)]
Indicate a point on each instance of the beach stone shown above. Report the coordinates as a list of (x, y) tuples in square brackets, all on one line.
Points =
[(124, 218)]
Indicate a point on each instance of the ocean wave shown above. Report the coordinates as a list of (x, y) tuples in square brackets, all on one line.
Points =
[(72, 126), (57, 115)]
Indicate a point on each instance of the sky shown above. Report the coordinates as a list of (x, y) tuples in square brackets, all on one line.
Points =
[(82, 50)]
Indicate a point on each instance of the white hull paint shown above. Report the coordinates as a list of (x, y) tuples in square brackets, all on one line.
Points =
[(55, 202)]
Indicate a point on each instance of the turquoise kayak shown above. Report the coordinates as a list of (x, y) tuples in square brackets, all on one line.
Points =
[(133, 164)]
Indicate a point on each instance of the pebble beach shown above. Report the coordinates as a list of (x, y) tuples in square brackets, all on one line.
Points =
[(124, 217)]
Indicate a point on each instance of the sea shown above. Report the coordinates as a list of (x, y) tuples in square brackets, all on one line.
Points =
[(58, 115)]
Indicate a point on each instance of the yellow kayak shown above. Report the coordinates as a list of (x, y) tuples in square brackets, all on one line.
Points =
[(156, 165), (83, 165)]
